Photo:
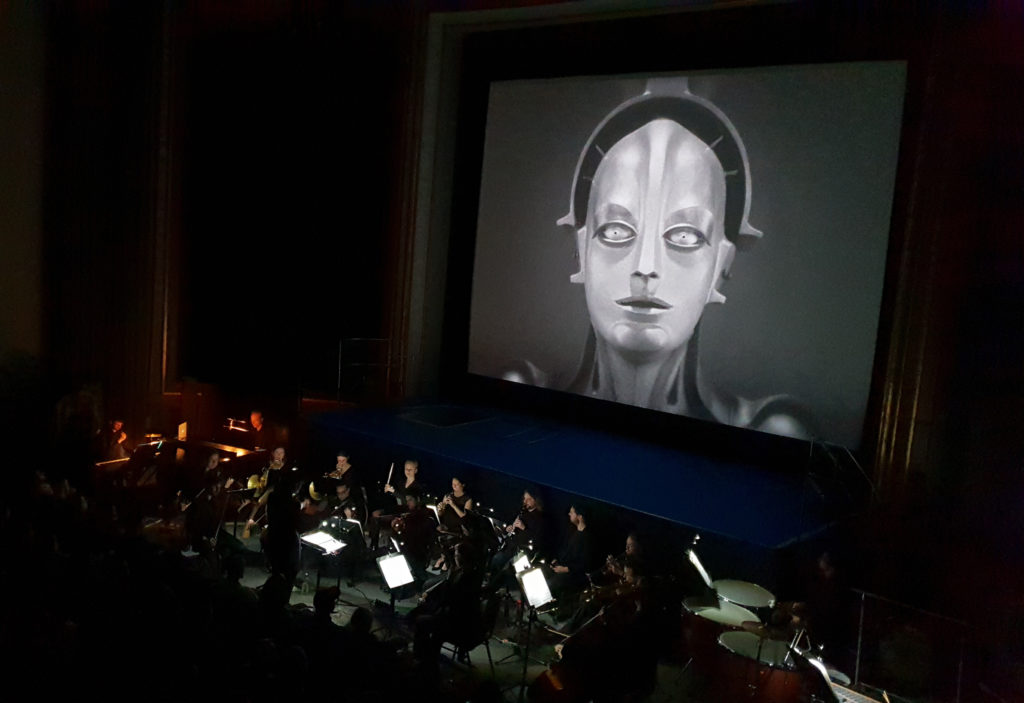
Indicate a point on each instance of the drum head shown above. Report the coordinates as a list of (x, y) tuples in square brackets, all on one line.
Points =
[(744, 593), (750, 646), (725, 614)]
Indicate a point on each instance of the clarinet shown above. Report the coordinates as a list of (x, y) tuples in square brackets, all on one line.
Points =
[(506, 536)]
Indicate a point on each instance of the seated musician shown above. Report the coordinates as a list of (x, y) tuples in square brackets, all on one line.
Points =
[(344, 504), (611, 654), (615, 567), (524, 534), (450, 612), (197, 480), (204, 520), (409, 485), (316, 507), (575, 560), (258, 430), (451, 512), (343, 470), (416, 534), (116, 442), (383, 517)]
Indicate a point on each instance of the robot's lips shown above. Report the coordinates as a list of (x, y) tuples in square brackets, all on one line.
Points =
[(644, 302)]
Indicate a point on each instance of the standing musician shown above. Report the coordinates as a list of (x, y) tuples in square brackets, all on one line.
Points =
[(451, 512), (524, 533), (264, 485)]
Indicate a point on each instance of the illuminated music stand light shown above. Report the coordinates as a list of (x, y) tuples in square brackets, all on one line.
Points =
[(535, 587), (536, 591), (521, 562), (324, 541), (396, 572)]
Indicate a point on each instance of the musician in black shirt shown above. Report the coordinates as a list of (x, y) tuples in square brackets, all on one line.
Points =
[(524, 533), (400, 491), (576, 558), (452, 511)]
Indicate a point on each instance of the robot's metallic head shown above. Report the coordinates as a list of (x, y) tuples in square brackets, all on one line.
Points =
[(670, 100)]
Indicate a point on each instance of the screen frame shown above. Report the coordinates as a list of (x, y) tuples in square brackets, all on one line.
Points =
[(717, 39)]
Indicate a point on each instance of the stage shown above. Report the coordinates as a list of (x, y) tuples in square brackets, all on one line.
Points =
[(746, 505)]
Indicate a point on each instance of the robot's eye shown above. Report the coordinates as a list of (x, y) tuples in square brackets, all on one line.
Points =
[(685, 237), (616, 233)]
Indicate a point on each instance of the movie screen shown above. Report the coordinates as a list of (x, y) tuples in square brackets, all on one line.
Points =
[(710, 245)]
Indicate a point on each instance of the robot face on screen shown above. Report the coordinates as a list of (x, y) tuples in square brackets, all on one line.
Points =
[(654, 247)]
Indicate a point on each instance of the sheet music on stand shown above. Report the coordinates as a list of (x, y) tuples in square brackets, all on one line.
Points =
[(323, 541)]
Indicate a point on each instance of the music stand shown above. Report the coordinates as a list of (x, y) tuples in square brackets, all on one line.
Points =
[(537, 593), (326, 545), (396, 572), (520, 562)]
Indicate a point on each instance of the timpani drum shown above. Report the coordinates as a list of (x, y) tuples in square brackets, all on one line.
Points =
[(702, 626), (744, 593), (760, 670)]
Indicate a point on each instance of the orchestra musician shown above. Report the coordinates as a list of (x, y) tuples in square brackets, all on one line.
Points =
[(409, 485), (383, 517), (524, 533), (416, 534), (615, 567), (264, 485), (258, 431), (343, 504), (196, 484), (316, 505), (575, 559), (451, 513), (204, 518), (343, 470), (116, 442), (610, 655)]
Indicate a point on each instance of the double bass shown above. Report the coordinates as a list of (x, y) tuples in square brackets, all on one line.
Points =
[(593, 660)]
